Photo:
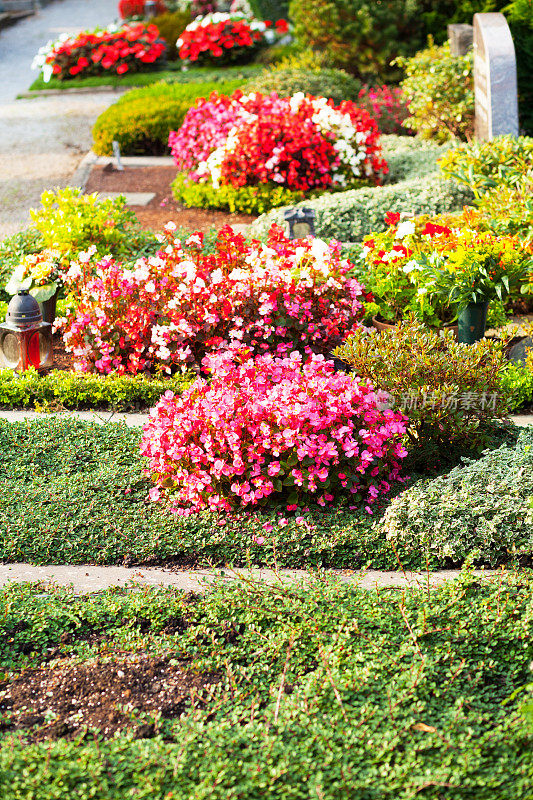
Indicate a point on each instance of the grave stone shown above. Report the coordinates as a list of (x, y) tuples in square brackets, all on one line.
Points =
[(461, 39), (495, 86)]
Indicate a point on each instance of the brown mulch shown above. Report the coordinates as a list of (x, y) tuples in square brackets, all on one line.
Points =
[(163, 208), (68, 698)]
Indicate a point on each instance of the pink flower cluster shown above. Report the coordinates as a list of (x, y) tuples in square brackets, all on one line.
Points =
[(387, 105), (301, 142), (169, 310), (272, 428)]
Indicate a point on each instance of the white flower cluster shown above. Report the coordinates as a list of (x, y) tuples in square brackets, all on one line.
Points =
[(39, 61)]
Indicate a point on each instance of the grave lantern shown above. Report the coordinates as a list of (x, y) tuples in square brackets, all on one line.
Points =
[(301, 222), (25, 340), (150, 8)]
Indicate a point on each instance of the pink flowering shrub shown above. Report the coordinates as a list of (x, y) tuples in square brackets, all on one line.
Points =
[(168, 311), (301, 142), (387, 105), (276, 429)]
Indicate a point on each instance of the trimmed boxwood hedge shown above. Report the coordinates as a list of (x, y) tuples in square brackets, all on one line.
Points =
[(141, 120)]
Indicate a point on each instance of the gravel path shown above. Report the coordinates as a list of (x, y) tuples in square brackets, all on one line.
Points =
[(42, 140)]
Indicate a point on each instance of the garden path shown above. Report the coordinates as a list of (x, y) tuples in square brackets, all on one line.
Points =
[(85, 579), (43, 140)]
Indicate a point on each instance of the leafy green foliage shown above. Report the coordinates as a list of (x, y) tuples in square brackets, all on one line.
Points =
[(302, 74), (518, 382), (12, 250), (439, 88), (76, 390), (70, 222), (245, 199), (141, 120), (324, 691), (481, 506), (505, 161), (430, 374)]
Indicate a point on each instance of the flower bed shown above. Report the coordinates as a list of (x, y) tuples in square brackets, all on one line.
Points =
[(114, 50), (273, 428), (170, 310), (304, 144), (224, 38)]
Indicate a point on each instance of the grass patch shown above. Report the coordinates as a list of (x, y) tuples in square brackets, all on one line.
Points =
[(74, 492), (325, 692), (167, 75)]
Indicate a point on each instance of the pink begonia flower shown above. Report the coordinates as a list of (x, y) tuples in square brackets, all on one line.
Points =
[(258, 539)]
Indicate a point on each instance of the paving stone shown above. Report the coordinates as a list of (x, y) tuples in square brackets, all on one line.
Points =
[(86, 579), (132, 198)]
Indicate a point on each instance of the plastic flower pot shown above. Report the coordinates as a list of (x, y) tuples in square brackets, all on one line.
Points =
[(472, 320), (48, 308)]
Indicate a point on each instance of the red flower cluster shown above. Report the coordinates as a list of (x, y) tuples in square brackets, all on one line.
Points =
[(135, 8), (282, 146), (224, 37), (130, 48)]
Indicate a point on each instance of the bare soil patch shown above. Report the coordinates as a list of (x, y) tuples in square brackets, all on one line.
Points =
[(163, 208), (67, 698)]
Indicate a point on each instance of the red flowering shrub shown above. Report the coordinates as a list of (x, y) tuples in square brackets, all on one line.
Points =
[(301, 143), (172, 309), (135, 8), (273, 428), (387, 105), (130, 48), (222, 38)]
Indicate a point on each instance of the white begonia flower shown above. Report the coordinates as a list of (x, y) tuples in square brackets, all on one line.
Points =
[(319, 249), (405, 229), (410, 266)]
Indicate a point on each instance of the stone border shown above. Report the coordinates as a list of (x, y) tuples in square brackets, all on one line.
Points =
[(91, 159)]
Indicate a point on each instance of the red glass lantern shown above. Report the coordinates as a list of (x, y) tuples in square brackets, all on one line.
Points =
[(25, 340)]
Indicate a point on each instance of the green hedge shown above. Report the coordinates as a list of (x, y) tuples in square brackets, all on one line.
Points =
[(332, 83), (320, 693), (484, 506), (143, 118), (71, 390)]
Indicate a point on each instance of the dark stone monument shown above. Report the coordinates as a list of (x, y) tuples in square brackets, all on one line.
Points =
[(494, 77)]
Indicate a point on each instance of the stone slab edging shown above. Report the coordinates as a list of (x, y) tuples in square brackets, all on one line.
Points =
[(134, 419), (36, 93), (91, 159), (87, 579)]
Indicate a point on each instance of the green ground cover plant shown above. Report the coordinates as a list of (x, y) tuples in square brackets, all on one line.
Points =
[(482, 506), (504, 162), (326, 692), (75, 492)]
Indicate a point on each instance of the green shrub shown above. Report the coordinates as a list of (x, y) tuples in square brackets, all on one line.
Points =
[(350, 216), (359, 36), (408, 157), (141, 120), (70, 221), (439, 89), (270, 9), (517, 381), (305, 72), (509, 211), (171, 26), (244, 199), (505, 161), (448, 390), (483, 506), (323, 692), (59, 389)]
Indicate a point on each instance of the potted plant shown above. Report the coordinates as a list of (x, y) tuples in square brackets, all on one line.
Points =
[(40, 274), (480, 268)]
